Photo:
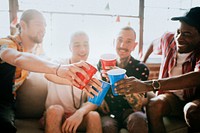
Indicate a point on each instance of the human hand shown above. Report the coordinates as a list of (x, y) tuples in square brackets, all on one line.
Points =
[(104, 72), (90, 91), (71, 124), (130, 85), (104, 107), (105, 75), (69, 72)]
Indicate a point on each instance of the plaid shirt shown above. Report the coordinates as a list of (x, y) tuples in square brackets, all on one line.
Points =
[(168, 50)]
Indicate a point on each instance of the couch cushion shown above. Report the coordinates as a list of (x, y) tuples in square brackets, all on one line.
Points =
[(172, 125), (28, 126), (31, 96), (175, 125)]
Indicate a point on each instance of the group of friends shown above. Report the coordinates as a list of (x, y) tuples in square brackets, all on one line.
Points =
[(176, 92)]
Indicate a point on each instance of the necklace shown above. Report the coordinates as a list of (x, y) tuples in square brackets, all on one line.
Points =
[(74, 103), (73, 99)]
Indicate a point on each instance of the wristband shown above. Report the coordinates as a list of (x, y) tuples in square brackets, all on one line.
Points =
[(57, 69)]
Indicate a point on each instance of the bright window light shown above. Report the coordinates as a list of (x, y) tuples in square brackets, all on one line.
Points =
[(98, 18)]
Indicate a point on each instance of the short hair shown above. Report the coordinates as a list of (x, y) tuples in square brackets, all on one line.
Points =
[(30, 14), (128, 28), (76, 34)]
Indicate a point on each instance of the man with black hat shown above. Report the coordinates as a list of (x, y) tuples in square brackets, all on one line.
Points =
[(178, 86)]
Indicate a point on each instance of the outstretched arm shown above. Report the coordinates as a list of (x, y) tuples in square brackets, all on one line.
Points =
[(133, 85), (31, 62)]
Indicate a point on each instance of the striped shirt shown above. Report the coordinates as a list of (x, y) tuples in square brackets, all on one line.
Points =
[(167, 48)]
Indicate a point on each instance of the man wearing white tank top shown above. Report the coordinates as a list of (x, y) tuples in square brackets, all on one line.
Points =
[(67, 109)]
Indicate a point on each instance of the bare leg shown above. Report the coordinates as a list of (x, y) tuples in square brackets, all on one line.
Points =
[(137, 123), (54, 115), (192, 115), (109, 125), (91, 123), (156, 109)]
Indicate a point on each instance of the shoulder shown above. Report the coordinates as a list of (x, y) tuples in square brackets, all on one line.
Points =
[(168, 37), (11, 42), (6, 42), (138, 63), (141, 66), (196, 55)]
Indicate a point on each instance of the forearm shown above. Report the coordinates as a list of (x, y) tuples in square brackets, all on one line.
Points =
[(87, 107), (36, 64), (57, 80), (149, 51), (29, 61), (188, 80)]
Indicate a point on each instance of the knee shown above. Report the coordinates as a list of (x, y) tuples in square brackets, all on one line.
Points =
[(109, 125), (93, 116), (108, 122), (155, 107), (55, 110), (192, 115), (137, 123)]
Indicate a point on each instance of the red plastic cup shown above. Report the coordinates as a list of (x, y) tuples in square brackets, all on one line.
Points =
[(90, 73), (108, 61)]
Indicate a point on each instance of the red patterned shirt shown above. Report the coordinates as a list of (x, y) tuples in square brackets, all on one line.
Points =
[(169, 53)]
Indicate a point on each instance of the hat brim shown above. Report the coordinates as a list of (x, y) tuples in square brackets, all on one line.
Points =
[(184, 19)]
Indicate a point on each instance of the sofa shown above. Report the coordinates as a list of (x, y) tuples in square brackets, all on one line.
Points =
[(30, 105)]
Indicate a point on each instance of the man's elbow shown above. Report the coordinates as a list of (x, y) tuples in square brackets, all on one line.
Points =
[(18, 60)]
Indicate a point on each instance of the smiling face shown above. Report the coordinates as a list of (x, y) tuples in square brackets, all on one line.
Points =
[(187, 38), (125, 43), (79, 47)]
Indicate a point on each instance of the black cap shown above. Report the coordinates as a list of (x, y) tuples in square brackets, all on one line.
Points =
[(192, 17)]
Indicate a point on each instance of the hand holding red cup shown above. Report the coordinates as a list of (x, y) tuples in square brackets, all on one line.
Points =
[(108, 61), (91, 71)]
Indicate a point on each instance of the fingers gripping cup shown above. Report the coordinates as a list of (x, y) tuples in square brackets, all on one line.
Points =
[(108, 61), (101, 95), (90, 73), (114, 76)]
